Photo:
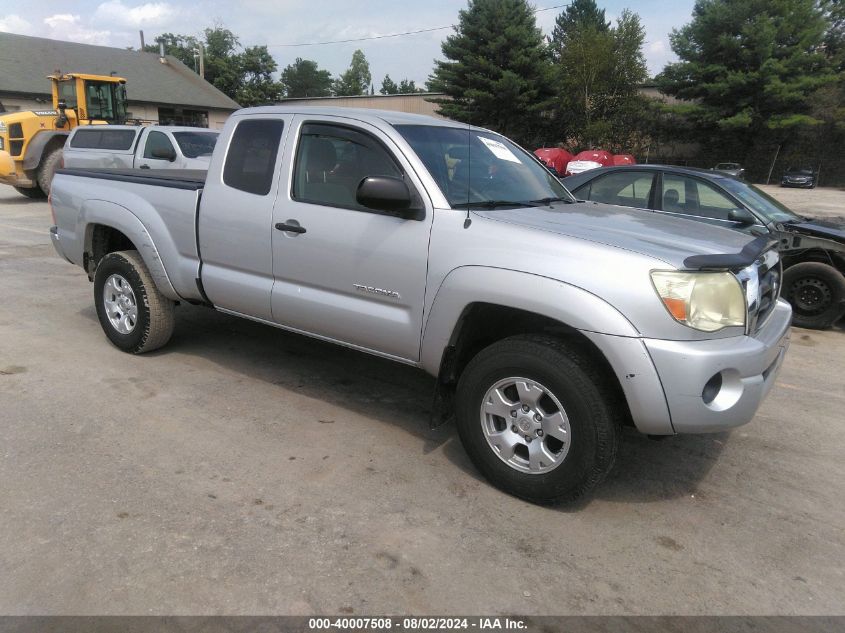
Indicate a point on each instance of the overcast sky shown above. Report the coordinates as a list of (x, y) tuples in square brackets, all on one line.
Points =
[(279, 22)]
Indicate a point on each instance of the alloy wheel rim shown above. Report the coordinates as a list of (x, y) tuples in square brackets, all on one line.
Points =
[(120, 304), (525, 425)]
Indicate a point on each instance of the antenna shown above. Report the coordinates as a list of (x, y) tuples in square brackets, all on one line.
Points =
[(468, 219)]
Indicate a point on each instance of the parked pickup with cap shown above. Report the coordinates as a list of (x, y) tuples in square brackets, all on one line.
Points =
[(547, 323), (132, 146)]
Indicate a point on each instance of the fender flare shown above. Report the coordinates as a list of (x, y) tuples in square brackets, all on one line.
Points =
[(35, 150), (102, 212), (570, 305), (607, 328)]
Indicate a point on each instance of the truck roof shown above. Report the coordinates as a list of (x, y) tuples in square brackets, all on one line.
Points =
[(391, 117)]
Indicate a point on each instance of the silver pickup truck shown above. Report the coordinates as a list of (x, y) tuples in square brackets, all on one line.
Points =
[(131, 146), (548, 323)]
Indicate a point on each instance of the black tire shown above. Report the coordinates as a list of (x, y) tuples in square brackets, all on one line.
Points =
[(816, 292), (155, 319), (31, 192), (593, 409), (49, 164)]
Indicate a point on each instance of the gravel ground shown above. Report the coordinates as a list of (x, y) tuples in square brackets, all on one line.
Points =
[(244, 470)]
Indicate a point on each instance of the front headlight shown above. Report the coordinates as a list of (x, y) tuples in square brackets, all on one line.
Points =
[(706, 301)]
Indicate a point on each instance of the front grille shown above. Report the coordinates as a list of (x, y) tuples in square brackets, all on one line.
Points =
[(15, 148), (15, 130), (769, 275)]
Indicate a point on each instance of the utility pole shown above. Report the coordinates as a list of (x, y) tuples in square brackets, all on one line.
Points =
[(142, 40), (202, 60)]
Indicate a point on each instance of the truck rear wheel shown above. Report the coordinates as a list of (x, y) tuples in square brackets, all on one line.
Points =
[(135, 316), (31, 192), (816, 292), (49, 164), (537, 419)]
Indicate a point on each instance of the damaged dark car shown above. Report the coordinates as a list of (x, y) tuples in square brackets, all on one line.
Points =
[(812, 250)]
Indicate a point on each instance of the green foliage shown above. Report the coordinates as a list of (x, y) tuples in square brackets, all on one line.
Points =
[(834, 39), (408, 86), (257, 85), (388, 86), (245, 76), (496, 71), (356, 79), (181, 47), (751, 68), (598, 70), (303, 78), (580, 15)]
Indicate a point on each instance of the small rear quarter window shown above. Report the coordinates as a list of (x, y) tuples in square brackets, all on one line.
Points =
[(103, 139), (251, 159)]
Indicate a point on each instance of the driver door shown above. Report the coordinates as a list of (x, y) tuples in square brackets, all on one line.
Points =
[(342, 271), (158, 143)]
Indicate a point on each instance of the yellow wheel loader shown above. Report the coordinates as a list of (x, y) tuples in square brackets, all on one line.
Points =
[(31, 142)]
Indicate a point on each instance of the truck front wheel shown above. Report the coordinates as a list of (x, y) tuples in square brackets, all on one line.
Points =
[(537, 419), (135, 316)]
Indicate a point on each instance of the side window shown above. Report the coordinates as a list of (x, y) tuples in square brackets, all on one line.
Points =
[(157, 142), (251, 159), (627, 189), (695, 197), (67, 91), (331, 161), (103, 138)]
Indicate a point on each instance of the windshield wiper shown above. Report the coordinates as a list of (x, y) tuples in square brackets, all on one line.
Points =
[(547, 202), (497, 204), (494, 204)]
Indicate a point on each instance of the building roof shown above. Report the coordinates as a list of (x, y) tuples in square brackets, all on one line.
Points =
[(26, 61)]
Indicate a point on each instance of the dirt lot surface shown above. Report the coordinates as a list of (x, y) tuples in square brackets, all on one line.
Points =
[(823, 202), (246, 470)]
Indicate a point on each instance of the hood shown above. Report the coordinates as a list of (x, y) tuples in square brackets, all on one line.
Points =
[(833, 229), (662, 237)]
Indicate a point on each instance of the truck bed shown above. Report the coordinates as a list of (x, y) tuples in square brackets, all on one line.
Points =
[(191, 179)]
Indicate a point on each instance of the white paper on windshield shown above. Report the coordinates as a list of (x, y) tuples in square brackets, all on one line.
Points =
[(500, 150)]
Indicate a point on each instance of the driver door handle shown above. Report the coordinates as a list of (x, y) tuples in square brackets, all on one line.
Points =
[(145, 166), (290, 228)]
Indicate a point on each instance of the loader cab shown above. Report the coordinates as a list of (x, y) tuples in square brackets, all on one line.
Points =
[(89, 99)]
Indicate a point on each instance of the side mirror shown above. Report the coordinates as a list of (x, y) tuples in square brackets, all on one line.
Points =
[(741, 216), (164, 154), (386, 193)]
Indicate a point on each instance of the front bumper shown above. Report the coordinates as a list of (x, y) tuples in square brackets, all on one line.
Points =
[(802, 185), (738, 371), (9, 174)]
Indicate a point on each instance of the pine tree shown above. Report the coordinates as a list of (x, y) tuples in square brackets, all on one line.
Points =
[(496, 70), (748, 68)]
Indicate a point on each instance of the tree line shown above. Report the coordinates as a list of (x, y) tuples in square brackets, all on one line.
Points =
[(246, 74), (751, 75)]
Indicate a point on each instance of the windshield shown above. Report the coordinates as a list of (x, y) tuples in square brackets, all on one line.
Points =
[(806, 171), (194, 144), (106, 101), (482, 169), (760, 202)]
